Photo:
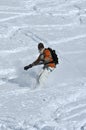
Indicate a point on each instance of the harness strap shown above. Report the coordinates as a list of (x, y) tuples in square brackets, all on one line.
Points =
[(48, 68)]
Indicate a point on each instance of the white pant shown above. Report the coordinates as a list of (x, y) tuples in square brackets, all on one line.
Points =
[(43, 75)]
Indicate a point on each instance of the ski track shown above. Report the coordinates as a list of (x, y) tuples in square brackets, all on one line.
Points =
[(19, 14), (61, 7), (15, 29), (13, 17), (71, 39), (73, 12), (73, 52), (73, 112), (36, 38), (17, 50)]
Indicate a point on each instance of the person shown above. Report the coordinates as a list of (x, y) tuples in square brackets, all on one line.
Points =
[(46, 59)]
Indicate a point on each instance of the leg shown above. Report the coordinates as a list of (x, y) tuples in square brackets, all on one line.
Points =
[(43, 76)]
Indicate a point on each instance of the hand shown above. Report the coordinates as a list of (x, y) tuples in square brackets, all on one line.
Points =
[(28, 67)]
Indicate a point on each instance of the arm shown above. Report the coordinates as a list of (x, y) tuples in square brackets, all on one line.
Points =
[(33, 64), (36, 61)]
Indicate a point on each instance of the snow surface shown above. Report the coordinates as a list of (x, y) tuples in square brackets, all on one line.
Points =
[(61, 103)]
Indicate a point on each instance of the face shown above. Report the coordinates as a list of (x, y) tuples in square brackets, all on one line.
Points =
[(40, 50)]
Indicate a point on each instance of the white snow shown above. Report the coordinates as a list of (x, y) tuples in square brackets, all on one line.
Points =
[(61, 103)]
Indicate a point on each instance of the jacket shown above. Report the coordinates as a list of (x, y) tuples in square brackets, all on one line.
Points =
[(46, 58)]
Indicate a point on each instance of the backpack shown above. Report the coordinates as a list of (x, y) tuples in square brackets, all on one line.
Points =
[(54, 55)]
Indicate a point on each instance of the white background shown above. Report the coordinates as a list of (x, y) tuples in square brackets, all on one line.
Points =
[(61, 103)]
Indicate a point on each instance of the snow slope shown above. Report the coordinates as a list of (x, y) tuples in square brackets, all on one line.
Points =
[(61, 103)]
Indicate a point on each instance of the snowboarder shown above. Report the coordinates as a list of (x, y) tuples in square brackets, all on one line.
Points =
[(45, 58)]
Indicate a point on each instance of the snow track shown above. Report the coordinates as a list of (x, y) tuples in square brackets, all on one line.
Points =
[(74, 113)]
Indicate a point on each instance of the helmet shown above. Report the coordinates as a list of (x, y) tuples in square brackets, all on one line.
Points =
[(40, 46)]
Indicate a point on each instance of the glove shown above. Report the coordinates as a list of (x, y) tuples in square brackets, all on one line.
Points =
[(28, 67)]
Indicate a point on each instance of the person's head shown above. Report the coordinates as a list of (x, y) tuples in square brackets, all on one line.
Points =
[(40, 46)]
